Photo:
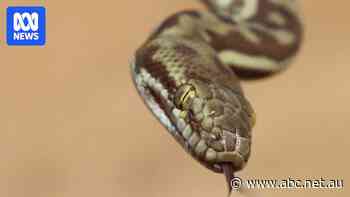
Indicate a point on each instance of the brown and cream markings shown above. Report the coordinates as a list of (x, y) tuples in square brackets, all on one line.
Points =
[(188, 72)]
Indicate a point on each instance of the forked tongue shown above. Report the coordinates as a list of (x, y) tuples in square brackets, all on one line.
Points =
[(229, 174), (226, 166)]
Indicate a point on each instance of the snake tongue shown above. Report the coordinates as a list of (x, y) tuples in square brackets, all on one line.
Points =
[(229, 174), (226, 166)]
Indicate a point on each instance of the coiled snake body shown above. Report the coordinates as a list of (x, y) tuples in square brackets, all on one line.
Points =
[(188, 72)]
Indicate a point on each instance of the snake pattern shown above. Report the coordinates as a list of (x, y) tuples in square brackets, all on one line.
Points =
[(188, 73)]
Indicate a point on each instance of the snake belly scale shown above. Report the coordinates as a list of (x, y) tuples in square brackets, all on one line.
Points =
[(188, 73)]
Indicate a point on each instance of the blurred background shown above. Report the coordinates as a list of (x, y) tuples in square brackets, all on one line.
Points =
[(71, 123)]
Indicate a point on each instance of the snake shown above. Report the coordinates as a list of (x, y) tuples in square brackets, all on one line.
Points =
[(188, 73)]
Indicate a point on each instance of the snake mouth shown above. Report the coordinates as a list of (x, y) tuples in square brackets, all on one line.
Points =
[(212, 155)]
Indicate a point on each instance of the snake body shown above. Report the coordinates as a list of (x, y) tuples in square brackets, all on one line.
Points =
[(188, 73)]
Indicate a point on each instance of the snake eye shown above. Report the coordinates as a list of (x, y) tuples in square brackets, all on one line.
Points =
[(184, 96)]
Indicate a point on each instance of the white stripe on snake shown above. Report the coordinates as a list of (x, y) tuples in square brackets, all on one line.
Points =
[(188, 71)]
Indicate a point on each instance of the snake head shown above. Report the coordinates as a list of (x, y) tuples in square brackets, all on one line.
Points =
[(215, 123)]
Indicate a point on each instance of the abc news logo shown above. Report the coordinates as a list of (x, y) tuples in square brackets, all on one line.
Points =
[(26, 25), (32, 25)]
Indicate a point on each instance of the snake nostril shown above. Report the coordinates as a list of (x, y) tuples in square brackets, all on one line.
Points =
[(214, 108)]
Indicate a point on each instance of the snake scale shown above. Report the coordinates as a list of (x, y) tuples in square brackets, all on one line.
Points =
[(188, 73)]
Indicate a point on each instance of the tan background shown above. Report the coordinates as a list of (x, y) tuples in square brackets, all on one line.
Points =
[(71, 123)]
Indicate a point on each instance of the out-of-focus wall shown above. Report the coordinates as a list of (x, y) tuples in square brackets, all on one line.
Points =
[(71, 123)]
